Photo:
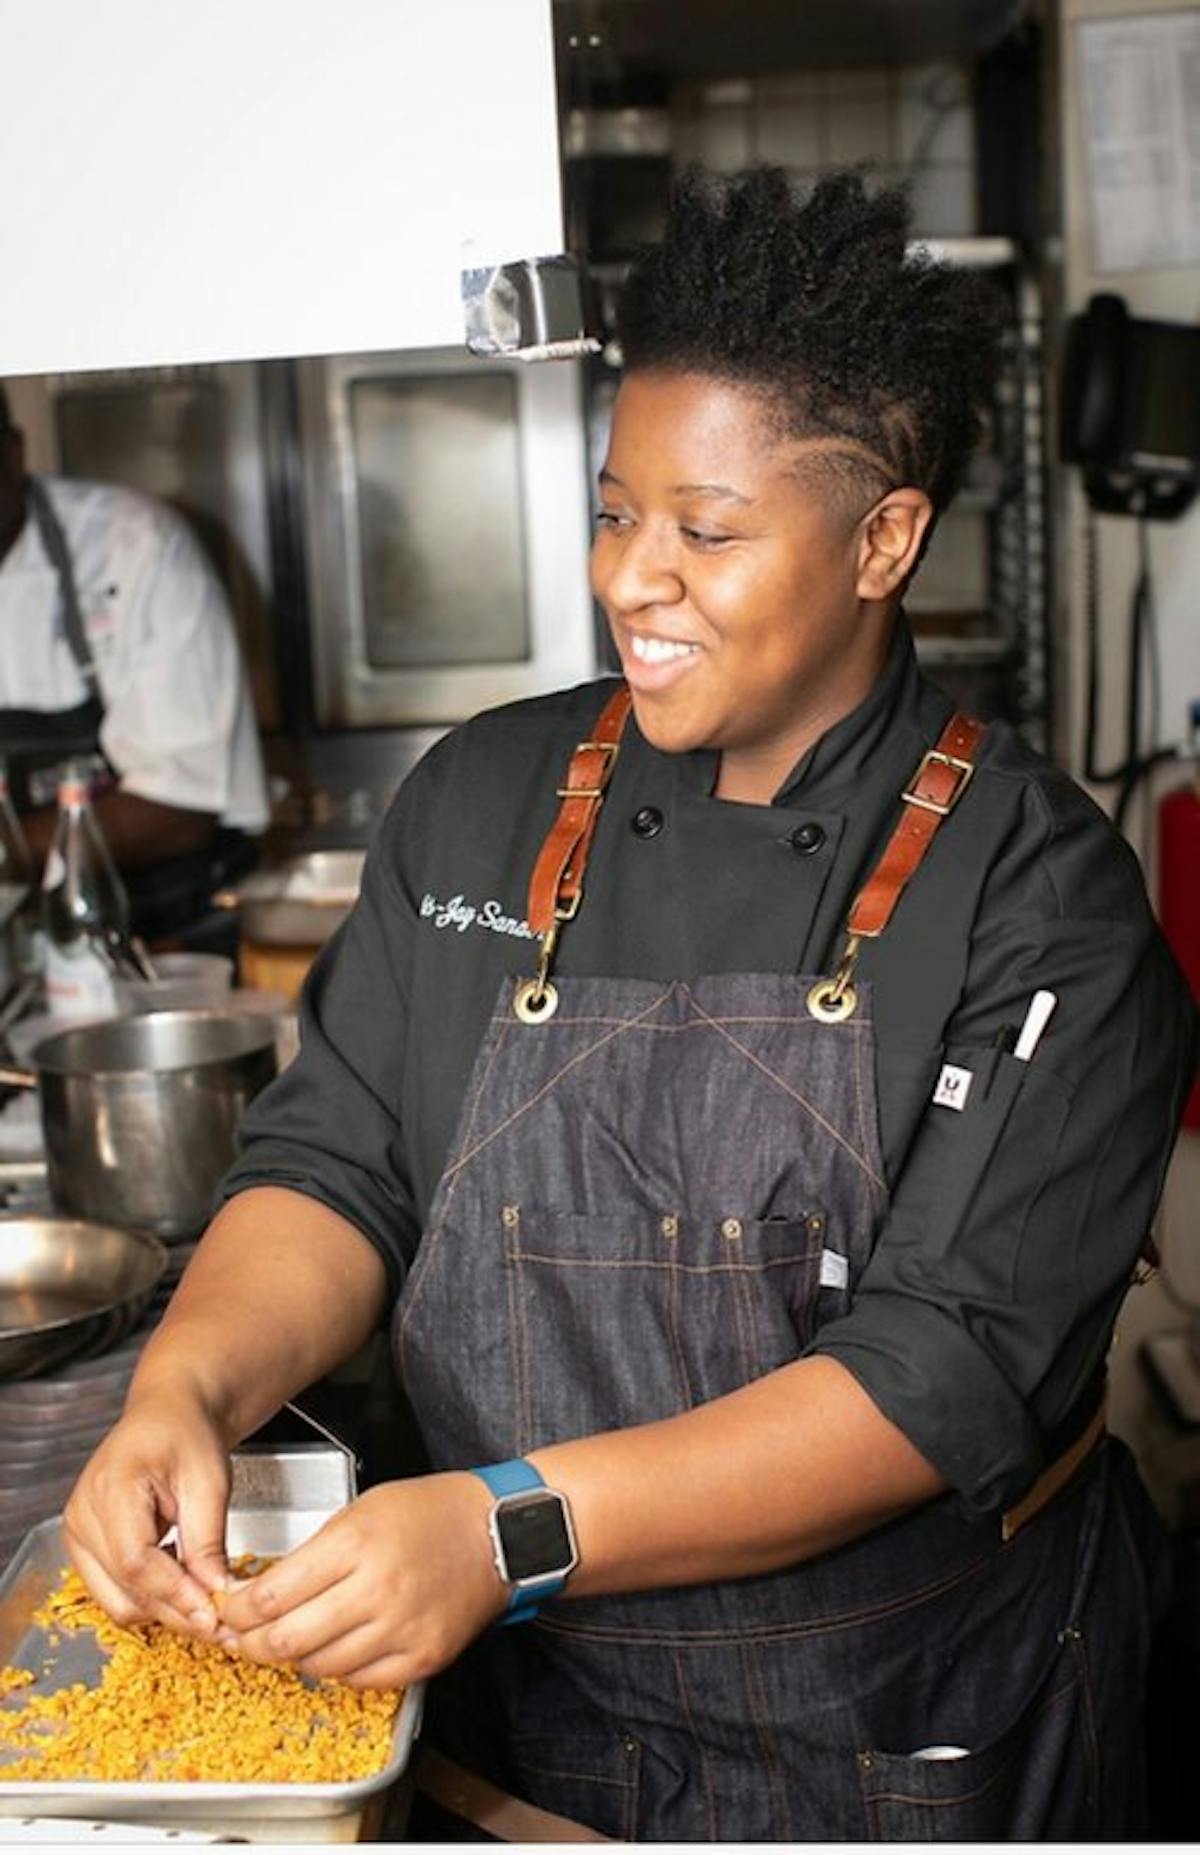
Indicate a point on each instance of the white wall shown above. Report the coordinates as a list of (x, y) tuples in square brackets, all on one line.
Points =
[(1173, 294), (284, 177)]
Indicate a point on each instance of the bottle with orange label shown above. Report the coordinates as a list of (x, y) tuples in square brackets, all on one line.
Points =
[(84, 907)]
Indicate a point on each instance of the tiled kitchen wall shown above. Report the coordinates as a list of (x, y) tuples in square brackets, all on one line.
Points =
[(913, 120)]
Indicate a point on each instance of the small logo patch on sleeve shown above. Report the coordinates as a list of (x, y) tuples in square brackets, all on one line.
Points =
[(953, 1087)]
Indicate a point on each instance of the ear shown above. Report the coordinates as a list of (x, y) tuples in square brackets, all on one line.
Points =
[(893, 535)]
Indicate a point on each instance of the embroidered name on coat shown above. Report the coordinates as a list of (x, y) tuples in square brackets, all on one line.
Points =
[(457, 913)]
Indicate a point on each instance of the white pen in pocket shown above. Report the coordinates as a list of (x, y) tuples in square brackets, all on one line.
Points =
[(1036, 1019)]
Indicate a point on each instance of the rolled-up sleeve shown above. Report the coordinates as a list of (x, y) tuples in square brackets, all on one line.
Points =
[(329, 1126), (982, 1320)]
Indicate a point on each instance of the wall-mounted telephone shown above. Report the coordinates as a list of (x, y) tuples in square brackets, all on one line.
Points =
[(1131, 409)]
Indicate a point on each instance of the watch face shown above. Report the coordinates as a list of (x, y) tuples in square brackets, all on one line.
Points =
[(534, 1537)]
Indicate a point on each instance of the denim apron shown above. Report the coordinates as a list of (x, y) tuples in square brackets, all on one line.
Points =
[(33, 741), (654, 1197)]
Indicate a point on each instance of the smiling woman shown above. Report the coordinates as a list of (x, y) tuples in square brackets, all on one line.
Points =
[(751, 1281), (748, 612), (779, 454)]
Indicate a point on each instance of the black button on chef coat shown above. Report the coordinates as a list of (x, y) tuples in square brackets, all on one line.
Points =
[(981, 1323), (807, 838), (647, 821)]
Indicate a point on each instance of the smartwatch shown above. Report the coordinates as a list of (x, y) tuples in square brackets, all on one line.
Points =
[(533, 1541)]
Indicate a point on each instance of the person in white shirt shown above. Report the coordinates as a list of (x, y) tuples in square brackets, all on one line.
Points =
[(117, 642)]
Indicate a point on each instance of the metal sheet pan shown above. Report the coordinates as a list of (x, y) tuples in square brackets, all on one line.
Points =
[(298, 903), (279, 1499)]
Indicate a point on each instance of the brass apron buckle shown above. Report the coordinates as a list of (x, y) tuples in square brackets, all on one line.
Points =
[(535, 1000), (833, 1000)]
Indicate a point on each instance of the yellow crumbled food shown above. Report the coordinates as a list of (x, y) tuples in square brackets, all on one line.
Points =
[(171, 1707)]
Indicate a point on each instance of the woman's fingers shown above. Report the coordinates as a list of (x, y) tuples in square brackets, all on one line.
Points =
[(252, 1604), (296, 1631), (151, 1587), (146, 1475), (344, 1655), (403, 1577), (363, 1656), (203, 1503), (389, 1672), (117, 1545)]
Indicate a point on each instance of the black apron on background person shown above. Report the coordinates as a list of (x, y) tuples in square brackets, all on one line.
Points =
[(164, 898), (653, 1197)]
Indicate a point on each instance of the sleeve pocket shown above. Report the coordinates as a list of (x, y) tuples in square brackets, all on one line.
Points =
[(987, 1164)]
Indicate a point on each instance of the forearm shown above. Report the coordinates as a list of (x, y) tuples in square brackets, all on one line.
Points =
[(138, 831), (786, 1468), (392, 1590), (280, 1290)]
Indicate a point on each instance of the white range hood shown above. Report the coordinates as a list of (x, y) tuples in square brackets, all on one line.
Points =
[(223, 180)]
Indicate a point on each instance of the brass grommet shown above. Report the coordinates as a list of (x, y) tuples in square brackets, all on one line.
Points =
[(831, 1003), (535, 1001)]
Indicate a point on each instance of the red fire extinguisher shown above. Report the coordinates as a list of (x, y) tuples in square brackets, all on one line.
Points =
[(1179, 883)]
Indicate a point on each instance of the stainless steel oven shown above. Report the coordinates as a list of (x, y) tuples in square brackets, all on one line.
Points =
[(403, 537), (445, 522)]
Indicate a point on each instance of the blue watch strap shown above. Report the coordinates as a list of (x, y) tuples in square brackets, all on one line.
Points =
[(515, 1477), (520, 1477)]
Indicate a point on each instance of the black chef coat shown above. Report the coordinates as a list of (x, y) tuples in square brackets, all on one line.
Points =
[(981, 1324)]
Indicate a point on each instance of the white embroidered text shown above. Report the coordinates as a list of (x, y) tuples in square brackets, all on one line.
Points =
[(460, 914)]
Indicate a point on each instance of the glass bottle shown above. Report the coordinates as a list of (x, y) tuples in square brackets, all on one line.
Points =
[(84, 907)]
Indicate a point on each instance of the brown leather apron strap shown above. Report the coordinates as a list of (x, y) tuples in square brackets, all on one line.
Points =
[(1052, 1480), (930, 796), (477, 1801), (935, 789), (556, 885), (557, 881)]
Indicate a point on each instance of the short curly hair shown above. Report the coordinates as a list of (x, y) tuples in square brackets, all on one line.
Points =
[(820, 305)]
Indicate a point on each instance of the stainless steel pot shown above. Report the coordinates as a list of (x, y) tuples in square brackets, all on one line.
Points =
[(299, 903), (140, 1114), (68, 1288)]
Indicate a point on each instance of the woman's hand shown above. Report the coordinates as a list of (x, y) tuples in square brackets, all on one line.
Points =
[(164, 1464), (389, 1591)]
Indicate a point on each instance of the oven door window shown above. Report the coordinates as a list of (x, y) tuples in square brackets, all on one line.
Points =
[(440, 522)]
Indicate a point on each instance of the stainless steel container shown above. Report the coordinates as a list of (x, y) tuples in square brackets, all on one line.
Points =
[(299, 903), (140, 1114), (278, 1499)]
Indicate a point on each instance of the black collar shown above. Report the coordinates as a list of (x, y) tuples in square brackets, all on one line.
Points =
[(835, 762)]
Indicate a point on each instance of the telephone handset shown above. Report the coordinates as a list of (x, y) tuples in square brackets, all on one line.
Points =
[(1130, 413)]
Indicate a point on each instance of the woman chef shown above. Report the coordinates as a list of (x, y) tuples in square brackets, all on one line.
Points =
[(683, 1083)]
